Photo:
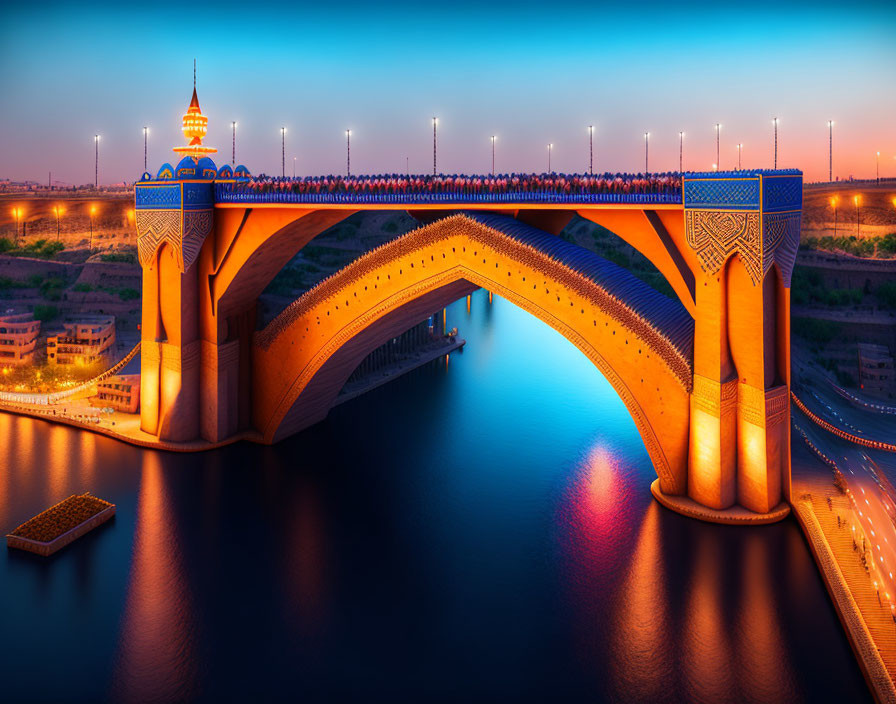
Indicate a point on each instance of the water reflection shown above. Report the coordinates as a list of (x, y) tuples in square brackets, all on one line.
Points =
[(642, 659), (156, 660), (477, 531)]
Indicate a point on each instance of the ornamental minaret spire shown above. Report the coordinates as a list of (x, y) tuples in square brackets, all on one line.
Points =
[(194, 127)]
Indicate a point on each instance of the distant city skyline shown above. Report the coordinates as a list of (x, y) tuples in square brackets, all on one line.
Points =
[(512, 71)]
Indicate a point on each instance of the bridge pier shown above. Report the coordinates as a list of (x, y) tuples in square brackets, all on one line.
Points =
[(745, 233), (173, 221)]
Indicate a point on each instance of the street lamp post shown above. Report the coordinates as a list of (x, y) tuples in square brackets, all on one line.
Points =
[(591, 149), (550, 149), (145, 133), (877, 167), (681, 152), (233, 144), (348, 152), (857, 200), (435, 121), (283, 151), (493, 154), (739, 149), (718, 152), (96, 161), (830, 150), (646, 152), (775, 123), (294, 167)]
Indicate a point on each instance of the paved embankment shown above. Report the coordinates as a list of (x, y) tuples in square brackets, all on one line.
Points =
[(867, 618)]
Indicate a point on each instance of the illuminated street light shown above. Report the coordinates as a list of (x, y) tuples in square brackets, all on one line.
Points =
[(834, 202), (96, 161), (283, 152), (646, 152), (775, 123), (591, 149), (494, 137), (145, 133), (435, 121), (718, 153), (233, 145), (348, 152), (550, 149), (830, 150), (739, 150), (681, 152)]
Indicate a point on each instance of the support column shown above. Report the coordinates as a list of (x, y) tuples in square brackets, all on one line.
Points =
[(744, 228), (712, 449), (173, 219)]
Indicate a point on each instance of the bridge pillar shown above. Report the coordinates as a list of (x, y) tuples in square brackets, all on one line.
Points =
[(712, 453), (744, 230), (173, 219)]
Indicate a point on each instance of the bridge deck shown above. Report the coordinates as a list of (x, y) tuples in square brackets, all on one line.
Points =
[(666, 315)]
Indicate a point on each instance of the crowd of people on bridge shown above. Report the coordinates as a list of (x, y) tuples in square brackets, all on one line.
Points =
[(462, 185)]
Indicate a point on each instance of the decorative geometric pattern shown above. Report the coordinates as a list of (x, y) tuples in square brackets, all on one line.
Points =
[(162, 197), (713, 397), (198, 196), (762, 408), (184, 231), (197, 226), (730, 194), (780, 193), (781, 239), (715, 236)]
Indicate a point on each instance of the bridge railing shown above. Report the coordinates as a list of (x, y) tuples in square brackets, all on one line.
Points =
[(231, 193)]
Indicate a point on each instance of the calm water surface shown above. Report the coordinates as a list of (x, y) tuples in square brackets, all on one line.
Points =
[(480, 529)]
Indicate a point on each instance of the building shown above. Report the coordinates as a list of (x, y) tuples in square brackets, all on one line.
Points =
[(876, 376), (18, 338), (86, 341), (119, 392)]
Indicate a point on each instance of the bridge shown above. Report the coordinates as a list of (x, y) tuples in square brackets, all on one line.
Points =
[(706, 377)]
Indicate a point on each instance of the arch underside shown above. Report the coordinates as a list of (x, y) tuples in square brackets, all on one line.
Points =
[(303, 358)]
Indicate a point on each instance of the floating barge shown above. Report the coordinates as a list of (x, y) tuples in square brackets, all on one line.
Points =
[(61, 524)]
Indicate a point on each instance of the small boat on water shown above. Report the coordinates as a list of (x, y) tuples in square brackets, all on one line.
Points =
[(59, 525)]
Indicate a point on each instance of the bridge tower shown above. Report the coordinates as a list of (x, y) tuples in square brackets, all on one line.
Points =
[(744, 231), (174, 216)]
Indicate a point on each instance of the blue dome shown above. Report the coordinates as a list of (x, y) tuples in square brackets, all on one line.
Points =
[(241, 172), (166, 172), (186, 168), (225, 171), (206, 168), (146, 176)]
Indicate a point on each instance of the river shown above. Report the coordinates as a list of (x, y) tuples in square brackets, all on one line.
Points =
[(480, 529)]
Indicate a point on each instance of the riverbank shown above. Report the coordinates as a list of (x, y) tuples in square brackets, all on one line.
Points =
[(868, 621), (126, 426)]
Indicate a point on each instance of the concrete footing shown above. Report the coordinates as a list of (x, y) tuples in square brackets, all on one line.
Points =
[(736, 515)]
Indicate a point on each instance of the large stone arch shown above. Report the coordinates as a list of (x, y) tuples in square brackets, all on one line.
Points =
[(640, 340)]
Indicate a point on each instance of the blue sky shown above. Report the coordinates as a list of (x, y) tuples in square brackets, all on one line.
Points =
[(531, 73)]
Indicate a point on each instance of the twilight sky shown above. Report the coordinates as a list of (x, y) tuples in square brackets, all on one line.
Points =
[(529, 72)]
